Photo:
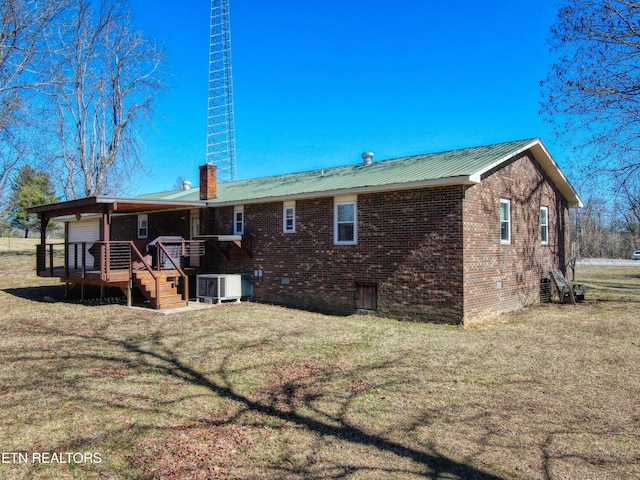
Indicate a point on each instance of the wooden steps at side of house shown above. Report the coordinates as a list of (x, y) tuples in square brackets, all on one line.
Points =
[(168, 296)]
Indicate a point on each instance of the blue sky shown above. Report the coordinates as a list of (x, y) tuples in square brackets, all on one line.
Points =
[(317, 82)]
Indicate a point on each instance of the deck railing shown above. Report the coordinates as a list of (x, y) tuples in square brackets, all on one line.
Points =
[(49, 258), (102, 259), (163, 251)]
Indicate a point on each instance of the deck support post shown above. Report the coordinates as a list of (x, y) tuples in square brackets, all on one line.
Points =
[(126, 288), (128, 293)]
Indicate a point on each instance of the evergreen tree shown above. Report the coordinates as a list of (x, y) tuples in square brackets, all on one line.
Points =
[(29, 189)]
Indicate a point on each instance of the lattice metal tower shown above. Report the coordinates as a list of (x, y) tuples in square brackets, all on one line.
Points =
[(221, 142)]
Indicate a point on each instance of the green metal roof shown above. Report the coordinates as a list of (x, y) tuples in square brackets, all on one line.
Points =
[(451, 167)]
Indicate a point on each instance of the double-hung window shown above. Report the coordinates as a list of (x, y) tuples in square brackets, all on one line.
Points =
[(289, 217), (143, 225), (505, 221), (544, 225), (238, 220), (345, 231)]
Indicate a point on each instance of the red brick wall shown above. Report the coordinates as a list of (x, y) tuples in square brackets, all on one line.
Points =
[(431, 254), (160, 223), (504, 277), (409, 246), (125, 228)]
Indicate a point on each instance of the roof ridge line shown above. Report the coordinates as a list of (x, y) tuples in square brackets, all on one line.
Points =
[(324, 169)]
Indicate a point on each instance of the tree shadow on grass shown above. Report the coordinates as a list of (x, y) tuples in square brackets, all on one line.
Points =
[(290, 402)]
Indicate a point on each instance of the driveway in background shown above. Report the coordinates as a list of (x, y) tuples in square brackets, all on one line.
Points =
[(607, 262)]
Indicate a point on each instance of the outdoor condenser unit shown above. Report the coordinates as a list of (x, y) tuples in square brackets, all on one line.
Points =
[(219, 287)]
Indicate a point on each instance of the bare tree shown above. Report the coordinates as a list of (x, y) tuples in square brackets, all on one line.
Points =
[(589, 228), (23, 28), (179, 183), (592, 93), (106, 77), (607, 228), (12, 153), (630, 213)]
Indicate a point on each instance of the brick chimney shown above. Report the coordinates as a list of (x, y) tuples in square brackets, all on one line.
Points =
[(208, 181)]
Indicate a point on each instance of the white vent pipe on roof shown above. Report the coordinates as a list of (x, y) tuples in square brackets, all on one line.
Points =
[(367, 158), (186, 185)]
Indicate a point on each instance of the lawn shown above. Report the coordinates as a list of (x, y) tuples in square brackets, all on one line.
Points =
[(260, 392)]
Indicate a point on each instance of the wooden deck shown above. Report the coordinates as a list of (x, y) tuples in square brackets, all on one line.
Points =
[(166, 296), (91, 277), (121, 265)]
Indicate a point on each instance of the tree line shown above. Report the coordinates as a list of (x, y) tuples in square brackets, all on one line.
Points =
[(605, 228)]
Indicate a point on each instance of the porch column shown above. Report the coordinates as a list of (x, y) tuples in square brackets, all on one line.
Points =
[(105, 232), (44, 223), (105, 252), (41, 250)]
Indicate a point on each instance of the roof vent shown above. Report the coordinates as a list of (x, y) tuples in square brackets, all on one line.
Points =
[(186, 185), (367, 158)]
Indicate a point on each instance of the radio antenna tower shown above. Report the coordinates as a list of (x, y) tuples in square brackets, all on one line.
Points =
[(221, 142)]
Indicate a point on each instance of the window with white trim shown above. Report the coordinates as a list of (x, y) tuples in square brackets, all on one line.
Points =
[(505, 221), (238, 220), (143, 225), (544, 225), (345, 227), (289, 217)]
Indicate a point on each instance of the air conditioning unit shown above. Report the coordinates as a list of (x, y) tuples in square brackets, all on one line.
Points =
[(219, 287)]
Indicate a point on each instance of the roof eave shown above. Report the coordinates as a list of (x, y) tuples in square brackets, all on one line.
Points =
[(104, 204), (550, 166)]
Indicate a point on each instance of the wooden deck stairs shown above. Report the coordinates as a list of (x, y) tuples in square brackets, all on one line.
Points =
[(168, 296)]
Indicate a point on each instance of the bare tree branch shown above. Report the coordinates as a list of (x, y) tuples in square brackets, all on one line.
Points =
[(23, 44), (106, 77), (592, 93)]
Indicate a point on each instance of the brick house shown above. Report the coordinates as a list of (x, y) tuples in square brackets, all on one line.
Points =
[(445, 237)]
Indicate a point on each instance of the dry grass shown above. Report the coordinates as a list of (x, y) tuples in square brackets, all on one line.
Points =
[(252, 391), (13, 244)]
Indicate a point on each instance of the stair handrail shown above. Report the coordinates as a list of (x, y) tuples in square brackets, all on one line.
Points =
[(148, 268), (185, 278)]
